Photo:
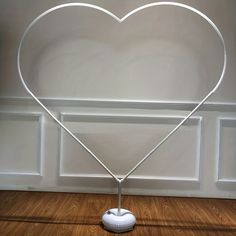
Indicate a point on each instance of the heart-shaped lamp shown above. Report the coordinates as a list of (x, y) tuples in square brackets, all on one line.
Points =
[(118, 219)]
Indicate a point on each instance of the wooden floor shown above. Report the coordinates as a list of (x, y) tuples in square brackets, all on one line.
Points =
[(37, 213)]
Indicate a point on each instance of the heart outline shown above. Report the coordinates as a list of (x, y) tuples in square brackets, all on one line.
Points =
[(120, 20)]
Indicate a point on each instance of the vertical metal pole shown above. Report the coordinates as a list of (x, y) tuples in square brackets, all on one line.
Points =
[(119, 197)]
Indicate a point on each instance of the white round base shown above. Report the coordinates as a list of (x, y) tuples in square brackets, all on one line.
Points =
[(114, 222)]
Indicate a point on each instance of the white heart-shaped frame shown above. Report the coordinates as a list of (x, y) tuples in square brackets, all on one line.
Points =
[(120, 20)]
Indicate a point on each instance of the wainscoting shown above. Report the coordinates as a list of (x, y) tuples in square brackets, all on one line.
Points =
[(198, 160)]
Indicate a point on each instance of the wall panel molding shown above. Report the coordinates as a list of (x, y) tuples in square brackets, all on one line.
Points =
[(116, 103), (28, 116), (221, 122), (94, 117)]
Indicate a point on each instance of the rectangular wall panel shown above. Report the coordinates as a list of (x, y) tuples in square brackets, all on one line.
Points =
[(226, 155), (122, 141), (20, 143)]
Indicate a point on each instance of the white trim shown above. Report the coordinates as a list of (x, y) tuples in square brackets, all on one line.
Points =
[(142, 119), (115, 118), (218, 141), (40, 146), (122, 103), (112, 190), (199, 149), (227, 180), (60, 145), (133, 177), (219, 125)]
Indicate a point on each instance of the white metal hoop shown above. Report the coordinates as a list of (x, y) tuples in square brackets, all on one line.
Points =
[(120, 20)]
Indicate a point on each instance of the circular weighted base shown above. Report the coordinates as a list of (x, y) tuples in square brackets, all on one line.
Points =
[(118, 223)]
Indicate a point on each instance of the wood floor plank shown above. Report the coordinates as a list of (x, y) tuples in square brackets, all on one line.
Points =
[(41, 213)]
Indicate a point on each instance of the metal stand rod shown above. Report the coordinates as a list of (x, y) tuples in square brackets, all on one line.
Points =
[(119, 197)]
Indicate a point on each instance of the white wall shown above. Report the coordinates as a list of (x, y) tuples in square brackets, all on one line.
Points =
[(120, 88)]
